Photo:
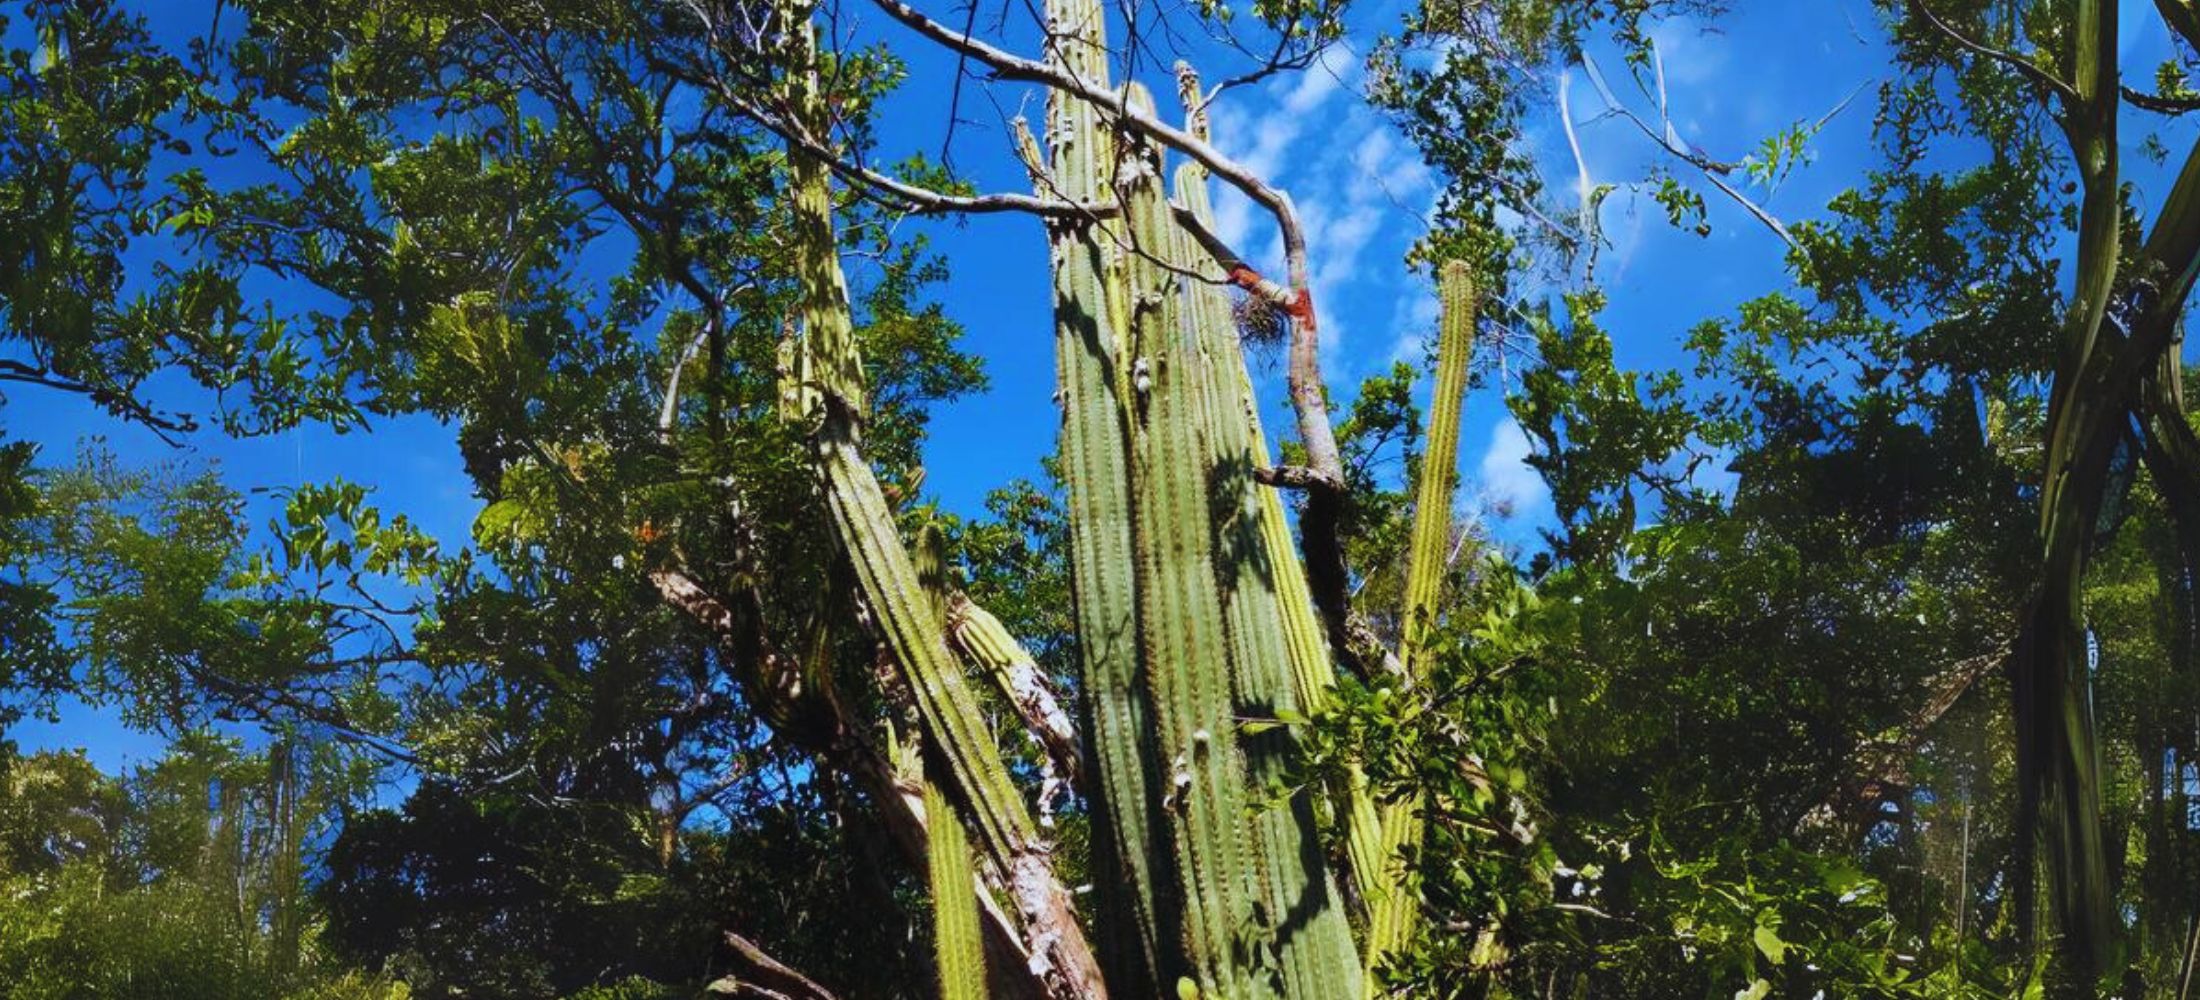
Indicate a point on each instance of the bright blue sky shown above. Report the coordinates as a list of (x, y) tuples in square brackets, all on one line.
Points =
[(1364, 196)]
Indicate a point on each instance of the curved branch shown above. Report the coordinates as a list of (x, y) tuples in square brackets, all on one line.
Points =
[(768, 977), (2025, 67), (921, 201), (2160, 103), (1309, 395), (115, 401)]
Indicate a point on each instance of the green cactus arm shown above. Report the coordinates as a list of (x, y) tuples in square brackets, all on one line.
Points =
[(916, 640), (828, 350), (1395, 910), (1429, 557), (930, 556), (988, 644), (1313, 950), (887, 577), (1313, 671), (955, 942), (1095, 448)]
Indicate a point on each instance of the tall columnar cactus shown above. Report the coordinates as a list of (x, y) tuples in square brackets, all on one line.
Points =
[(1138, 926), (1430, 554), (1185, 618), (1316, 951), (901, 608), (1312, 670), (1395, 907), (959, 950), (1182, 634)]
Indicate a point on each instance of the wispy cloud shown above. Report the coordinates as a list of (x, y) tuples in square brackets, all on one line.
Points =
[(1354, 182), (1338, 66), (1507, 481)]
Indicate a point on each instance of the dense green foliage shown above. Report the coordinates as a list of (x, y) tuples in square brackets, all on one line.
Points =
[(182, 880)]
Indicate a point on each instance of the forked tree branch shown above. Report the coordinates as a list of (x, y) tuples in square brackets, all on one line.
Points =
[(1309, 393)]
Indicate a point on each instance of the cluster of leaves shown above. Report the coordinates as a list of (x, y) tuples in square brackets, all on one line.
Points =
[(93, 114)]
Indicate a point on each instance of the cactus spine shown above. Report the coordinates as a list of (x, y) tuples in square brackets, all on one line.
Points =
[(888, 577), (1395, 909), (955, 942)]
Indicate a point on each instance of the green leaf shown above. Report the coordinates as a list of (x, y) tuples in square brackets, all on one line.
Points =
[(1768, 942)]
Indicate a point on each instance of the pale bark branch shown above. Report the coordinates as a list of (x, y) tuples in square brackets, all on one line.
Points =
[(921, 201), (1309, 395), (767, 977)]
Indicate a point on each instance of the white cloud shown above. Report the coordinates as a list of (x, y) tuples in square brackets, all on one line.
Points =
[(1233, 216), (1414, 317), (1313, 88), (1691, 55), (1258, 141), (1357, 185), (1340, 240), (1506, 479)]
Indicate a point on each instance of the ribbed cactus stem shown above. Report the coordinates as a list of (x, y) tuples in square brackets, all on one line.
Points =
[(887, 576), (930, 554), (1429, 558), (831, 358), (1186, 642), (1096, 446), (1393, 913), (1312, 670), (956, 944), (1314, 677), (988, 644), (1313, 950)]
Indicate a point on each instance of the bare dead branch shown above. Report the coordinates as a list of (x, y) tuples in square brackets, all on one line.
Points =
[(921, 201), (1714, 171), (765, 977)]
